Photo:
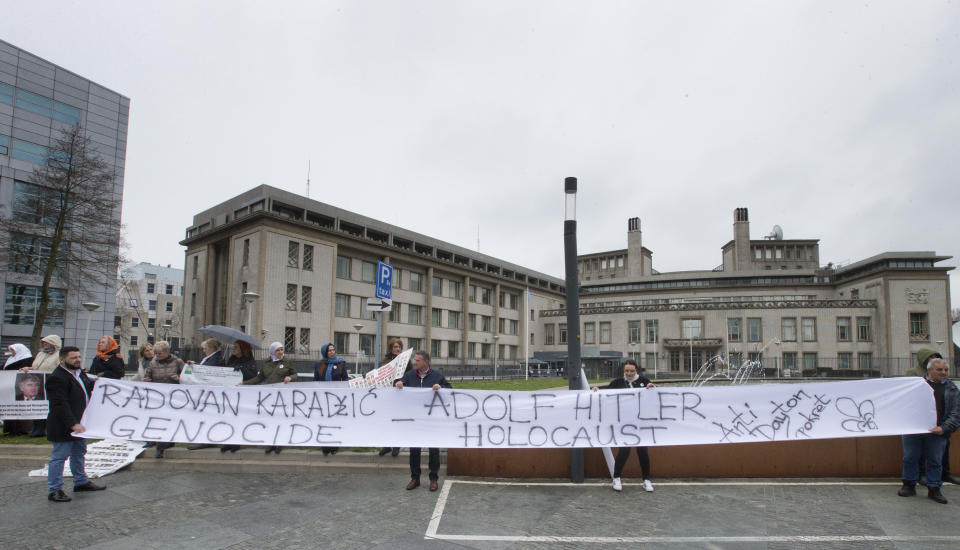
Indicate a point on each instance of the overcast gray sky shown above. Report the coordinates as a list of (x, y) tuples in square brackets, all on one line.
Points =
[(836, 120)]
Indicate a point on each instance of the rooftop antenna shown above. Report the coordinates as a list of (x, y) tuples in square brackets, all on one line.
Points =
[(308, 178)]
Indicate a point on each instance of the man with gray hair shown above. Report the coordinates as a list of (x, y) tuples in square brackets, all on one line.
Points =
[(947, 399)]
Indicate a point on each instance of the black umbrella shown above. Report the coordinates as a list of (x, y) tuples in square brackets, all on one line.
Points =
[(229, 335)]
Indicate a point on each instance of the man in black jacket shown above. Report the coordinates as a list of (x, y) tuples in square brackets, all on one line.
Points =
[(422, 376), (631, 379), (68, 391)]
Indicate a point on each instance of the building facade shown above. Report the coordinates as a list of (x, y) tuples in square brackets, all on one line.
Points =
[(769, 300), (149, 307), (313, 266), (37, 100)]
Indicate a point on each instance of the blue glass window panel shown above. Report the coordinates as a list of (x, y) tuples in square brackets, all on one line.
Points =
[(6, 93), (34, 103), (66, 113), (4, 143), (30, 152)]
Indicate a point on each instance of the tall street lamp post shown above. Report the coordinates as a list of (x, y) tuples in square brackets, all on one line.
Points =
[(357, 327), (90, 307), (249, 298), (573, 307), (496, 354)]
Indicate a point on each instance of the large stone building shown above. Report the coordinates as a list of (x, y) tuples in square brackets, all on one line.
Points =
[(149, 306), (37, 100), (769, 299), (313, 267)]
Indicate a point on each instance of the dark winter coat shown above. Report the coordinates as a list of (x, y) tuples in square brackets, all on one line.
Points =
[(67, 403), (622, 383), (338, 365), (111, 368), (411, 379), (247, 366)]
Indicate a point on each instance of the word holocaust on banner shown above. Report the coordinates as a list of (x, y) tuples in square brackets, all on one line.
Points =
[(284, 414)]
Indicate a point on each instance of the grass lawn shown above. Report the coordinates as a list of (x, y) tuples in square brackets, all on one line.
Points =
[(532, 384), (7, 439)]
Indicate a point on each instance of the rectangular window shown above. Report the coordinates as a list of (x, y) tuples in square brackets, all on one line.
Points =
[(485, 323), (30, 254), (809, 361), (435, 317), (304, 340), (472, 293), (865, 361), (291, 297), (653, 331), (364, 312), (789, 361), (843, 360), (152, 305), (484, 351), (289, 339), (151, 288), (472, 350), (453, 320), (736, 359), (734, 329), (168, 289), (133, 341), (435, 348), (30, 152), (843, 329), (308, 257), (341, 306), (168, 307), (754, 329), (413, 315), (293, 254), (674, 360), (343, 268), (692, 328), (151, 322), (472, 321), (453, 349), (589, 333), (548, 334), (415, 284), (246, 252), (864, 334), (650, 363), (809, 328), (134, 322), (366, 343), (193, 304), (485, 296), (437, 287), (306, 298), (415, 344), (919, 329), (635, 331), (394, 314), (340, 342), (368, 272), (605, 332), (562, 329), (453, 290), (788, 329), (196, 266)]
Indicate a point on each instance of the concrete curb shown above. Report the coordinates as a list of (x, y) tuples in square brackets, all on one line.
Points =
[(250, 460)]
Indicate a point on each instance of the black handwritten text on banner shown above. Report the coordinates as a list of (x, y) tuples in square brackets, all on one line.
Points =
[(284, 414)]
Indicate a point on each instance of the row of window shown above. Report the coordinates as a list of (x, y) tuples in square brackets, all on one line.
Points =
[(135, 322), (596, 264), (299, 300), (167, 289), (294, 259), (22, 302), (38, 104)]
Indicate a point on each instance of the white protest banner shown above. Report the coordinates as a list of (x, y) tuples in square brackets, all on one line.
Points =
[(206, 375), (22, 395), (284, 415), (607, 453), (102, 458), (385, 375)]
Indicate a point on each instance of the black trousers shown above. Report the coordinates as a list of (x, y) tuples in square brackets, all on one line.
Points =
[(624, 453), (434, 461)]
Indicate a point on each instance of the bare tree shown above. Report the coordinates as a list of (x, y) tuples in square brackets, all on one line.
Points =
[(955, 315), (64, 226)]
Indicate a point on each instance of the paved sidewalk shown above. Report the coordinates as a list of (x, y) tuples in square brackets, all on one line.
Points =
[(330, 509)]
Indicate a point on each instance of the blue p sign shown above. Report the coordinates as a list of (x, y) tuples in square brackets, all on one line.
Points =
[(384, 280)]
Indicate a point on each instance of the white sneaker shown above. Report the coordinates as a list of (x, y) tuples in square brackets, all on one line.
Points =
[(617, 486), (647, 486)]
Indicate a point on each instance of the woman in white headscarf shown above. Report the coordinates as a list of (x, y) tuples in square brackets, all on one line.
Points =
[(19, 356), (49, 356), (274, 371)]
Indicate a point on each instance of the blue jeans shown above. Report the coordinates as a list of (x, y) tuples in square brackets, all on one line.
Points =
[(931, 445), (75, 450)]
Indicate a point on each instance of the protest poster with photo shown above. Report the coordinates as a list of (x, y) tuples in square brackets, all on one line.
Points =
[(385, 375), (210, 376), (103, 457), (22, 395)]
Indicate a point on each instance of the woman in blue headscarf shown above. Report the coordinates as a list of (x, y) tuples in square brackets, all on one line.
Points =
[(330, 368)]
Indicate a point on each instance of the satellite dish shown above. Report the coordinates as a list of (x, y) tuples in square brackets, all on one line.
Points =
[(776, 234)]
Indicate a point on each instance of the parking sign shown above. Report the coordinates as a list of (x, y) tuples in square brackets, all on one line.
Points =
[(384, 280)]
